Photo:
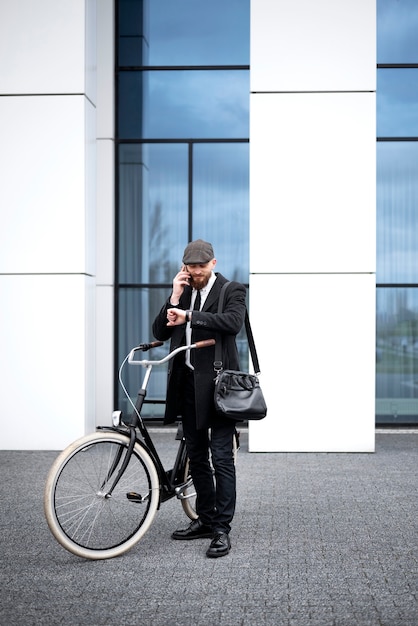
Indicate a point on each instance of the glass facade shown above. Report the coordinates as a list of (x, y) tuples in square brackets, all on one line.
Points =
[(182, 122), (182, 77), (397, 213)]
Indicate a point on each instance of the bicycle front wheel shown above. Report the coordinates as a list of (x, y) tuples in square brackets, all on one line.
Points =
[(81, 514)]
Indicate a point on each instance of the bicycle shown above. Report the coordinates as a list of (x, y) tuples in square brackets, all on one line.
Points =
[(103, 491)]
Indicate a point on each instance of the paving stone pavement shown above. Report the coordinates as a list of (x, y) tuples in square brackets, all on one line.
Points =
[(317, 540)]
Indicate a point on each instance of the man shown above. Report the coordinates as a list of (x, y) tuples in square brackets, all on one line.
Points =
[(190, 387)]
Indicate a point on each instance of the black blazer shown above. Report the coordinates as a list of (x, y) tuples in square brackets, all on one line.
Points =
[(205, 325)]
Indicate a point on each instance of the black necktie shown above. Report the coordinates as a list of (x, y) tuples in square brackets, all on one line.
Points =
[(196, 307), (197, 302)]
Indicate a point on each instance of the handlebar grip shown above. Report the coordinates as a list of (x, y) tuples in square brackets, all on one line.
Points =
[(148, 346), (156, 344), (205, 343)]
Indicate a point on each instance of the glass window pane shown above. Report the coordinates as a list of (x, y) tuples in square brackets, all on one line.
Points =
[(137, 310), (397, 102), (132, 87), (184, 104), (184, 32), (221, 204), (397, 212), (153, 211), (397, 355), (397, 24)]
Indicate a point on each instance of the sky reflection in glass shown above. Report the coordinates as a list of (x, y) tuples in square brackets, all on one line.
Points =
[(184, 104), (397, 102), (397, 27), (198, 32), (184, 32)]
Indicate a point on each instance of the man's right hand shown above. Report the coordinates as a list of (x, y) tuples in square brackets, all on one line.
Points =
[(179, 282)]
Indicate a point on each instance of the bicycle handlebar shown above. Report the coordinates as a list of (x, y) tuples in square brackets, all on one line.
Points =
[(199, 344)]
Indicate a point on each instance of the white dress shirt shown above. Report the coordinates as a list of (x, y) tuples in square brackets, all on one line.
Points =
[(203, 295)]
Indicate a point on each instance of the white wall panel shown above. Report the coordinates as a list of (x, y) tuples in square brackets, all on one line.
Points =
[(105, 231), (105, 69), (42, 46), (315, 337), (104, 368), (46, 335), (312, 182), (302, 45), (105, 213), (90, 62), (90, 184), (90, 317), (42, 157)]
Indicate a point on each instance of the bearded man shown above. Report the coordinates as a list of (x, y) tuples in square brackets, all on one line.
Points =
[(190, 315)]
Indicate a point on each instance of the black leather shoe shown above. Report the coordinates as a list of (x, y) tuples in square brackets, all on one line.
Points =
[(195, 530), (220, 545)]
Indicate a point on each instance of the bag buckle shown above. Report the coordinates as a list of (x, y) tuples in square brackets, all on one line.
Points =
[(217, 366)]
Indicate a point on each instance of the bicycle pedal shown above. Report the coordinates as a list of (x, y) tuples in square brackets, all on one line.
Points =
[(134, 497)]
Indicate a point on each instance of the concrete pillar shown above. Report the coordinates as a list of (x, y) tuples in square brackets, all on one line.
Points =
[(48, 252), (312, 224)]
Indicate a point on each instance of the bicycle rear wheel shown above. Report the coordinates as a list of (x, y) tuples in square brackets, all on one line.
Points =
[(80, 514)]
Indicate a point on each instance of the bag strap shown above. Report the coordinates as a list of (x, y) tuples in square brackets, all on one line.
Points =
[(248, 329)]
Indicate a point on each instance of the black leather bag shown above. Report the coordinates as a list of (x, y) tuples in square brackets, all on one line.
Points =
[(238, 395)]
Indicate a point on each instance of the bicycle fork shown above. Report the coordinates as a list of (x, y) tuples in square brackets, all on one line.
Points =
[(115, 463)]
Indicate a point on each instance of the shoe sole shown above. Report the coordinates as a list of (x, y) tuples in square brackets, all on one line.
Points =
[(211, 555)]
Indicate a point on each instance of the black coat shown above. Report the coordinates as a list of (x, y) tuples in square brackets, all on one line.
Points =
[(205, 325)]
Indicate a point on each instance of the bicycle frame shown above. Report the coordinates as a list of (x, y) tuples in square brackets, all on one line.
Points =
[(171, 481)]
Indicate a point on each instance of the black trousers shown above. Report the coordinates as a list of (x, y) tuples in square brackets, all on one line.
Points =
[(216, 492)]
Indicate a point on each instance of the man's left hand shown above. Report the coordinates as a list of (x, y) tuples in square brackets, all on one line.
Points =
[(176, 317)]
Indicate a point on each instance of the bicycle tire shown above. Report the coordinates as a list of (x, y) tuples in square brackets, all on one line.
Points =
[(79, 516), (189, 499), (189, 502)]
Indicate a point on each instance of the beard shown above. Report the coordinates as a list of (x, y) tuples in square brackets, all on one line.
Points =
[(199, 282)]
